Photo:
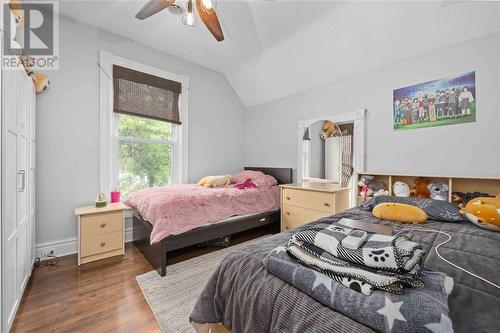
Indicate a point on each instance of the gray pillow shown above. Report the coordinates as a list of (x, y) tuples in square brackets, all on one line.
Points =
[(437, 210)]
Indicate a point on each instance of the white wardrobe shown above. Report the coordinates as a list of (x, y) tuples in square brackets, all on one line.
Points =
[(18, 141)]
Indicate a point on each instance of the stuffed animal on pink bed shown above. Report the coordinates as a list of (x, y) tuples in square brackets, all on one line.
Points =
[(248, 183)]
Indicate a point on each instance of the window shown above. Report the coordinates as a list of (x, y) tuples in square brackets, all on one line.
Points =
[(145, 152), (143, 116)]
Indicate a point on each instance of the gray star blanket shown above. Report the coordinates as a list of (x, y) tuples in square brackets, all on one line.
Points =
[(416, 310), (383, 262)]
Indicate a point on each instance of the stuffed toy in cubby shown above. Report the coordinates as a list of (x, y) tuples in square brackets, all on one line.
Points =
[(401, 189), (438, 191), (371, 187), (420, 189)]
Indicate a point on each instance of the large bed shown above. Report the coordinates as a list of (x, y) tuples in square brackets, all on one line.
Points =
[(191, 214), (244, 297)]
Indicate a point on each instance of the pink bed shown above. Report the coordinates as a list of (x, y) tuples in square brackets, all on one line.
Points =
[(175, 209)]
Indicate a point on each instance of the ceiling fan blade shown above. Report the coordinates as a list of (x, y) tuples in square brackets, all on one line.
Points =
[(211, 21), (153, 7)]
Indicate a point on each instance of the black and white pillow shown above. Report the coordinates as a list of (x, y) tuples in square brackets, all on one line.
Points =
[(437, 210)]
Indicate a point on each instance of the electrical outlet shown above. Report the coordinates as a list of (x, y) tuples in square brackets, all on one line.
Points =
[(48, 252)]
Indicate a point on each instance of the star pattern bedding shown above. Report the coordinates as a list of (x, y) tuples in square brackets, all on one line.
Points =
[(243, 296), (412, 311)]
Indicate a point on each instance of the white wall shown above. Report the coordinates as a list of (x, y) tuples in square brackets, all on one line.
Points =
[(68, 125), (465, 149)]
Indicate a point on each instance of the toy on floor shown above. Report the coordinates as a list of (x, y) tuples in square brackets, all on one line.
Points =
[(371, 187), (401, 189), (461, 199), (484, 212), (420, 189), (248, 183), (329, 130), (213, 181), (398, 212), (438, 191)]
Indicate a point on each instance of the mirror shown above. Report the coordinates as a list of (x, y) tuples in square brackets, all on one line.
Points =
[(327, 153)]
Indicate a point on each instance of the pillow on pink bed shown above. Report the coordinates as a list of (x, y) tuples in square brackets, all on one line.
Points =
[(258, 177)]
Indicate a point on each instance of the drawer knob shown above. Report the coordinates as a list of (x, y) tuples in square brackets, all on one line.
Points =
[(287, 213), (327, 204), (103, 243), (103, 225), (287, 198)]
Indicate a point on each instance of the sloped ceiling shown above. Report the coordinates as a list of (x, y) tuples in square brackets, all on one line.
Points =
[(278, 48)]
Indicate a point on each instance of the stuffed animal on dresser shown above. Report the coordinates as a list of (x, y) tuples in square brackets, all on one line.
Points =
[(438, 191), (420, 189), (401, 189), (329, 130), (371, 187), (484, 212)]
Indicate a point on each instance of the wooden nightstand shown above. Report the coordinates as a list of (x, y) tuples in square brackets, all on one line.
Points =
[(100, 232), (304, 203)]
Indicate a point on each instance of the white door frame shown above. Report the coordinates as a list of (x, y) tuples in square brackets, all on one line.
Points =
[(359, 142)]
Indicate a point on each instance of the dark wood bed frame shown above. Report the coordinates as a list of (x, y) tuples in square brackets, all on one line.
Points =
[(156, 253)]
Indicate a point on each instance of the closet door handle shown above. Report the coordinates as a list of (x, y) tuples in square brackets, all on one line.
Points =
[(23, 180), (327, 204)]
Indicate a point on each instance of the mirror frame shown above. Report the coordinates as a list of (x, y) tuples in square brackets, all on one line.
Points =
[(359, 141)]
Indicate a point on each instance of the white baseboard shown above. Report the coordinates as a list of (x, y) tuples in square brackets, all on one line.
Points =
[(69, 246)]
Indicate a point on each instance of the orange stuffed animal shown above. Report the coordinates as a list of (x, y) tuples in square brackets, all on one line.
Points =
[(484, 212), (399, 212), (420, 189)]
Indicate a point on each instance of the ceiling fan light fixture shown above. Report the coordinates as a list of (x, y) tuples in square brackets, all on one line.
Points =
[(175, 9), (209, 5), (189, 17)]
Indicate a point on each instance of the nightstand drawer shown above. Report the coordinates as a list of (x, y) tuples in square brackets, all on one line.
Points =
[(101, 243), (99, 224), (315, 200), (297, 216)]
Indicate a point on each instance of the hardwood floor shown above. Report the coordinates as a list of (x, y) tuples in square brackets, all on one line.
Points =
[(102, 296)]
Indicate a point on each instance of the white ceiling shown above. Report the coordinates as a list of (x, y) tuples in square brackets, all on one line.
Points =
[(277, 48)]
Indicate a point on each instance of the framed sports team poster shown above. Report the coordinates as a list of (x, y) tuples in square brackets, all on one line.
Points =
[(440, 102)]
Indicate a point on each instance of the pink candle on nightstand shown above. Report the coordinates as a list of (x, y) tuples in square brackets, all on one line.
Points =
[(115, 196)]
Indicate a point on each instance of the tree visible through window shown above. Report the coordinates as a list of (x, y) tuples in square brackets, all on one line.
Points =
[(145, 153)]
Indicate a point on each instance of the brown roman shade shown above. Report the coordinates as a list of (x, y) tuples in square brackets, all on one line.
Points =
[(144, 95)]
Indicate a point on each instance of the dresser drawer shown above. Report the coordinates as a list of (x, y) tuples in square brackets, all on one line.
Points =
[(101, 243), (98, 224), (316, 200), (296, 216)]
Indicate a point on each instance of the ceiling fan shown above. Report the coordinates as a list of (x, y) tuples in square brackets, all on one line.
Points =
[(205, 9)]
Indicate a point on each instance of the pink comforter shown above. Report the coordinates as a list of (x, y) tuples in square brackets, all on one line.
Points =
[(175, 209)]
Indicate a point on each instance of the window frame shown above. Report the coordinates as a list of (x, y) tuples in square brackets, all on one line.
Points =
[(109, 138)]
